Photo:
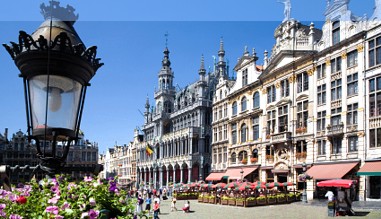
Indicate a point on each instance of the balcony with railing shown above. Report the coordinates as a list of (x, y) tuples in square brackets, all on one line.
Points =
[(375, 122), (301, 130), (335, 130), (352, 128), (280, 137)]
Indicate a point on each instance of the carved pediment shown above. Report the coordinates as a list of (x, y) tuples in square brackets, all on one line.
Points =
[(270, 107), (283, 101), (302, 97)]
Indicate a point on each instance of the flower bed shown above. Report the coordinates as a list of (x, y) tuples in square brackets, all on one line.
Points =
[(205, 199), (199, 199), (186, 195), (62, 198), (224, 200), (240, 202), (281, 198), (231, 201), (251, 201), (271, 199), (261, 200), (212, 199)]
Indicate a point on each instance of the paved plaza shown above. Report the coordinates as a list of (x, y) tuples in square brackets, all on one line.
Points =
[(293, 210)]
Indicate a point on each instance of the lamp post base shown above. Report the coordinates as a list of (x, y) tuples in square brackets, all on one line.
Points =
[(304, 197)]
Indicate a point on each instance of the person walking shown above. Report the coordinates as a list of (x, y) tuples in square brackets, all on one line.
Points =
[(148, 203), (157, 199), (173, 204), (156, 209), (139, 205)]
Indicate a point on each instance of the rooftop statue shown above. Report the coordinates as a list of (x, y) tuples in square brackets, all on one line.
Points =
[(287, 9)]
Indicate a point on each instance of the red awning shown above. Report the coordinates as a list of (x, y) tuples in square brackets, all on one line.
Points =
[(370, 168), (235, 173), (345, 183), (215, 176), (330, 171)]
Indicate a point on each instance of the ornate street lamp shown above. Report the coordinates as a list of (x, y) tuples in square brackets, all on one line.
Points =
[(56, 69), (202, 166), (304, 194)]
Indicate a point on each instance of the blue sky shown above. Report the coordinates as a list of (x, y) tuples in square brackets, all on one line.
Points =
[(130, 40)]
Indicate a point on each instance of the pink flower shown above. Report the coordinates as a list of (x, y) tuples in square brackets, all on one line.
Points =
[(2, 206), (93, 214), (54, 200), (15, 216), (65, 206), (88, 179), (71, 185), (52, 209), (59, 217), (92, 201), (55, 189)]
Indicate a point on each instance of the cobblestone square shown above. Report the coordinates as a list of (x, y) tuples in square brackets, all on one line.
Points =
[(293, 210)]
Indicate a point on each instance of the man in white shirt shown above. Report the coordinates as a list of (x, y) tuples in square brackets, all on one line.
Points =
[(330, 195)]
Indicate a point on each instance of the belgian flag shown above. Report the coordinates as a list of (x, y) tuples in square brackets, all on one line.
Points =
[(149, 150)]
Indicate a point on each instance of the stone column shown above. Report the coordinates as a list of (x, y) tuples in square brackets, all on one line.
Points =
[(181, 175), (189, 174), (186, 142), (160, 177), (190, 145), (174, 175), (145, 177), (154, 177)]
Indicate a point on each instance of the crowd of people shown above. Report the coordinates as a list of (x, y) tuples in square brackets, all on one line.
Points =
[(152, 198)]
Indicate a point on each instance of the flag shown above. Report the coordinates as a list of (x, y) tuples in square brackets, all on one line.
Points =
[(149, 150)]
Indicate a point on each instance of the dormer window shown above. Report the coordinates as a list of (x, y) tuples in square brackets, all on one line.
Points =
[(244, 77), (335, 32)]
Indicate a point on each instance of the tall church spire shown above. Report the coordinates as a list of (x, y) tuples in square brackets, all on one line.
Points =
[(202, 69), (221, 65), (166, 63)]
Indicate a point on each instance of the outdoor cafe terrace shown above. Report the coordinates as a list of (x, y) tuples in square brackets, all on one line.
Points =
[(244, 194)]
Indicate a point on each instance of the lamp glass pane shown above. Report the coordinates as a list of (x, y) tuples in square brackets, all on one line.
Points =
[(62, 102)]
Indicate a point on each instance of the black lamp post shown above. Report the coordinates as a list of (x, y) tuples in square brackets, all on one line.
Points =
[(304, 194), (241, 172), (56, 69)]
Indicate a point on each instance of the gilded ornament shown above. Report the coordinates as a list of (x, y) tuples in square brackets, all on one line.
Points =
[(277, 84), (344, 55), (361, 134), (327, 62), (360, 48)]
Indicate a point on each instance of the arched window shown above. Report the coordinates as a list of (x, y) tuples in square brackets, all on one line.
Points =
[(220, 94), (256, 100), (254, 153), (243, 133), (234, 108), (243, 104), (159, 107), (242, 155), (234, 158)]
